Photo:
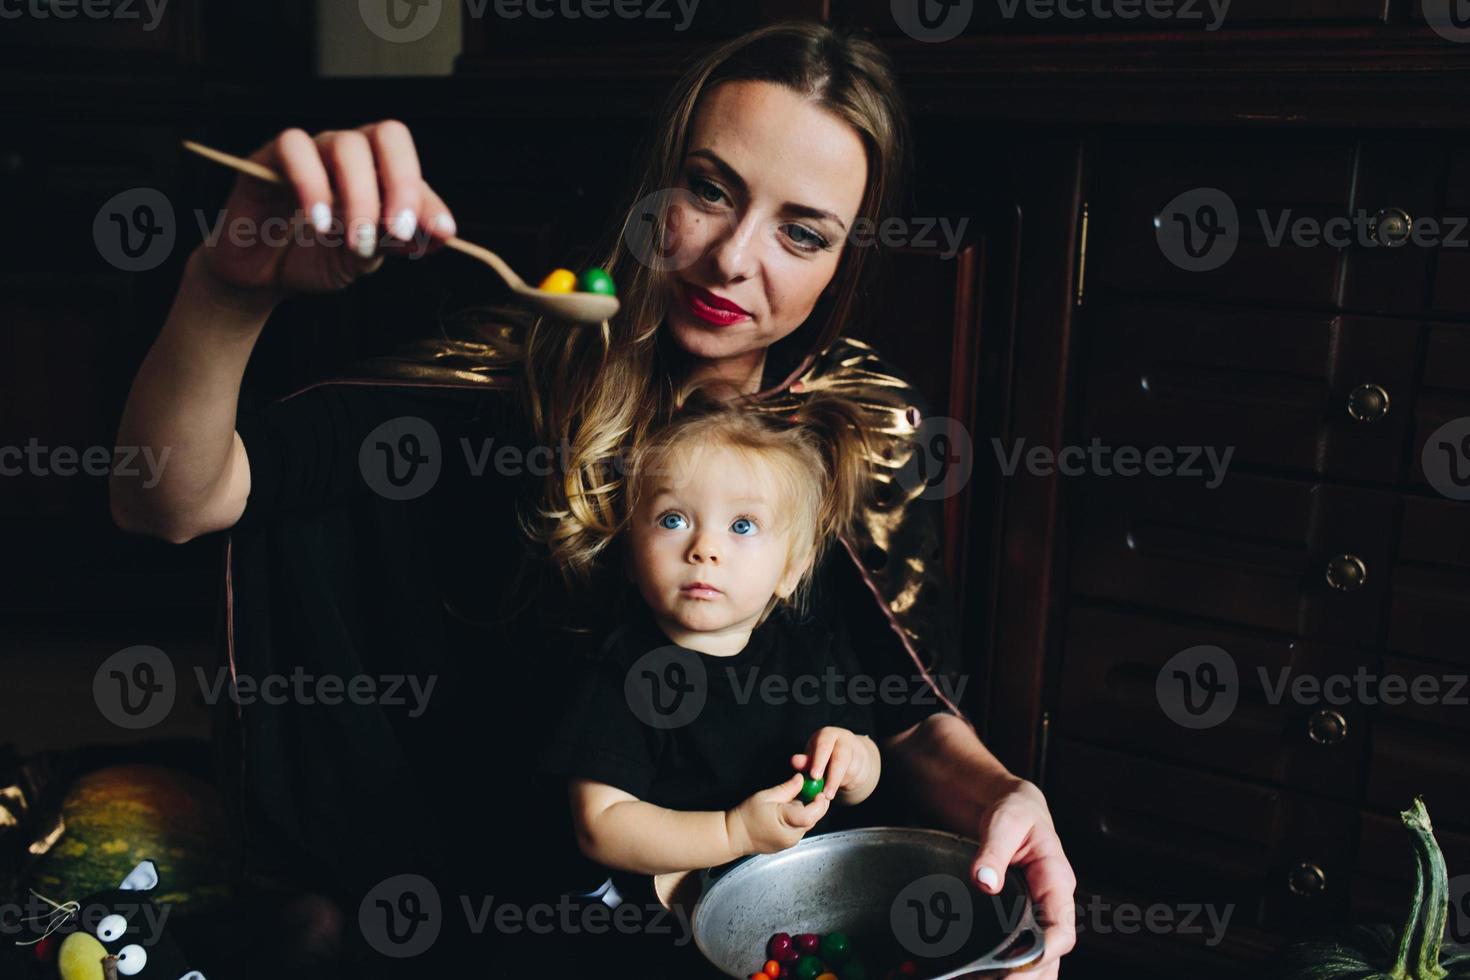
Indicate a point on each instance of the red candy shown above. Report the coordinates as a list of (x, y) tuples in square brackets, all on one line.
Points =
[(807, 943), (781, 949)]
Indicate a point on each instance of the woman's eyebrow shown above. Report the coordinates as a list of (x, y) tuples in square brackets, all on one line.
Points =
[(738, 182)]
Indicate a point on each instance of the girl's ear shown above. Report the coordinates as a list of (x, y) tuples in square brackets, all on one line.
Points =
[(793, 575)]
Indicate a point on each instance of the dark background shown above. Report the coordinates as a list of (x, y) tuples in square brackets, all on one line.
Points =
[(1055, 139)]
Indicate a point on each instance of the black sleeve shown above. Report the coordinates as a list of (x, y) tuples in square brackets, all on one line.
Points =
[(598, 736), (307, 450), (902, 698)]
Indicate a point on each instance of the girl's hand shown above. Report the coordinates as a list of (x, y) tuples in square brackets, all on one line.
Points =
[(773, 819), (350, 197), (846, 761)]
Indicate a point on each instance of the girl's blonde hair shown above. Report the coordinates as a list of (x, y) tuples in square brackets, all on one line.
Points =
[(817, 458), (599, 391)]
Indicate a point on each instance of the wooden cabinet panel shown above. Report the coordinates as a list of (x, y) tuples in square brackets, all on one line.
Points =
[(1145, 187), (1276, 387), (1153, 832), (1111, 693), (1254, 551), (1451, 288), (1430, 601), (1383, 878), (1061, 16), (1397, 176)]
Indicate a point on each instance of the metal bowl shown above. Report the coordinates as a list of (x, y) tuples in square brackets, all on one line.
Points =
[(897, 892)]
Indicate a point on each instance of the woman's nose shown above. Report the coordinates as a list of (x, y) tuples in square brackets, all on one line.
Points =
[(734, 249)]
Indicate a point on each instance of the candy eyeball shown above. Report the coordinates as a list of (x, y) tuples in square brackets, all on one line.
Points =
[(131, 960), (111, 928)]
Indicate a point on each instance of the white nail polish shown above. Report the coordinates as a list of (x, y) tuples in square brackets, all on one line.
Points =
[(321, 216), (988, 877), (403, 225), (364, 240), (445, 224)]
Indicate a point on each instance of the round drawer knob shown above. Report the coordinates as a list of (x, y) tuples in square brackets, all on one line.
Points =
[(1327, 727), (1307, 880), (1391, 227), (1346, 573), (1368, 403)]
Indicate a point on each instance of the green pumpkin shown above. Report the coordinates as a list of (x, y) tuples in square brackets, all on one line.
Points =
[(1379, 952)]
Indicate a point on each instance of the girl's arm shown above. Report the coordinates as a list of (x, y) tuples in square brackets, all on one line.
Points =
[(618, 830)]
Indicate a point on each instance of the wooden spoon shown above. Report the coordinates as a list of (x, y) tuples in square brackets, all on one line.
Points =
[(578, 307)]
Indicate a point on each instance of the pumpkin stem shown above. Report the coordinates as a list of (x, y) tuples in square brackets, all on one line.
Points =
[(1418, 955)]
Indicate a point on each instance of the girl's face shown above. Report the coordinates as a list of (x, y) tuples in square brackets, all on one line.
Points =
[(709, 519), (774, 186)]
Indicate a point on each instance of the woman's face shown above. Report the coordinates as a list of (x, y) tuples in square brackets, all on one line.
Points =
[(774, 185)]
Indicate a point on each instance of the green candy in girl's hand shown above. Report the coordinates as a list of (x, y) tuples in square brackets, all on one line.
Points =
[(596, 280), (810, 788)]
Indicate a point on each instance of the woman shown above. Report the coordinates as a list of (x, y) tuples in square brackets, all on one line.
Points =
[(770, 150)]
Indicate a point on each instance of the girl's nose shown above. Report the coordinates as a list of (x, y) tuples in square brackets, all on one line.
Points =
[(704, 550)]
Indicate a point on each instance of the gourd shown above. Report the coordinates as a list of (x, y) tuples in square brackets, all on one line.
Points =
[(1378, 952)]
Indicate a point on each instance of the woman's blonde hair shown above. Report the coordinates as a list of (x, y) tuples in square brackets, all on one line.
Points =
[(599, 391), (817, 459)]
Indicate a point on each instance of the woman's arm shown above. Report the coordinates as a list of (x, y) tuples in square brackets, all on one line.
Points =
[(182, 406), (955, 779)]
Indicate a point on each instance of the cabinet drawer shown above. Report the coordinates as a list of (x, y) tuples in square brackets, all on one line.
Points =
[(1255, 551), (1430, 600), (1156, 832), (1147, 187), (1114, 691), (1419, 743), (1312, 392), (1452, 265)]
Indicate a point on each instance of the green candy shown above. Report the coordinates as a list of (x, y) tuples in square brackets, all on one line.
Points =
[(808, 967), (834, 948), (810, 788), (853, 970), (596, 280)]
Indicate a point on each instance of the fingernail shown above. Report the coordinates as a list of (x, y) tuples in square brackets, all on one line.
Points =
[(445, 224), (321, 216), (988, 878), (365, 241), (404, 225)]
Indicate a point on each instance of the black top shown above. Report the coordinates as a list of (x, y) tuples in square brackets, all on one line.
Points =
[(692, 731), (342, 566)]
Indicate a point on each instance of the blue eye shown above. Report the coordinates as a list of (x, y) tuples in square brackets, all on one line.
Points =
[(745, 522), (664, 521)]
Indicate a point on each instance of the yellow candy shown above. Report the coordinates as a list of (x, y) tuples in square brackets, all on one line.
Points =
[(559, 281)]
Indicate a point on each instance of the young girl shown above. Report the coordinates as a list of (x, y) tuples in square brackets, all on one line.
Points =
[(687, 736)]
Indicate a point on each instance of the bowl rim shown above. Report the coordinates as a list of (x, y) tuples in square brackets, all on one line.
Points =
[(1026, 922)]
